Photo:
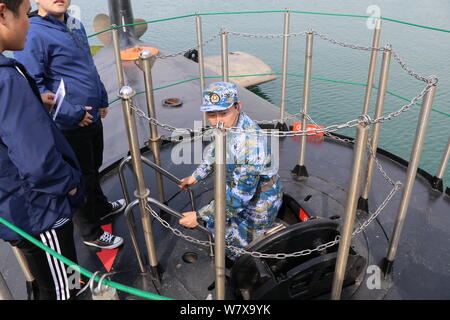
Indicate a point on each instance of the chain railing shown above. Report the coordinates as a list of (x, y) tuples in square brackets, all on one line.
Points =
[(396, 186), (404, 66), (182, 52), (412, 73), (430, 80), (266, 36), (281, 256), (365, 119), (345, 44)]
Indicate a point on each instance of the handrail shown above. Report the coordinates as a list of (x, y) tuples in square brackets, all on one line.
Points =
[(175, 213), (86, 273), (155, 167), (166, 173), (270, 11)]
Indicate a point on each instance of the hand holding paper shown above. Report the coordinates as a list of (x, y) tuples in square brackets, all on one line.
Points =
[(48, 99)]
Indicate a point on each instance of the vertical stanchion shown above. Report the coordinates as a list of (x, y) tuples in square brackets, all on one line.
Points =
[(23, 264), (5, 294), (121, 13), (201, 61), (287, 16), (437, 182), (350, 209), (224, 43), (372, 65), (146, 61), (32, 289), (410, 176), (382, 88), (118, 60), (142, 193), (300, 169), (123, 182), (220, 206), (129, 220)]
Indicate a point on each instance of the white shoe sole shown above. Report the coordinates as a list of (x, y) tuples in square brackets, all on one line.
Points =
[(113, 246)]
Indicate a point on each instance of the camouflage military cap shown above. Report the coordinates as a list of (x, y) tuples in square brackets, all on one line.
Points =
[(219, 96)]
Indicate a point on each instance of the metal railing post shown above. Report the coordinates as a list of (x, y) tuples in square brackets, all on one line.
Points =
[(437, 182), (300, 169), (382, 88), (118, 60), (422, 125), (220, 215), (123, 181), (201, 61), (350, 210), (224, 46), (23, 264), (5, 293), (127, 94), (32, 289), (146, 62), (372, 65), (287, 16), (129, 219)]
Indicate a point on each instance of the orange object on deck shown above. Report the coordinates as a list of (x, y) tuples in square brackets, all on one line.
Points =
[(298, 127), (133, 53)]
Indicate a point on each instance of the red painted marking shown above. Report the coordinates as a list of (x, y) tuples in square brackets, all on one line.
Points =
[(303, 215), (107, 256)]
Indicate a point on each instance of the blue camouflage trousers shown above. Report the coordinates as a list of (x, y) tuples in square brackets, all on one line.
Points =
[(247, 225)]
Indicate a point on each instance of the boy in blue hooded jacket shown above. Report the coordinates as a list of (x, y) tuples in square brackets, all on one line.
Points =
[(57, 49), (40, 179)]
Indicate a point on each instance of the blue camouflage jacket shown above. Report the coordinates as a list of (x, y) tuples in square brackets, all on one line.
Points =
[(57, 50), (253, 192)]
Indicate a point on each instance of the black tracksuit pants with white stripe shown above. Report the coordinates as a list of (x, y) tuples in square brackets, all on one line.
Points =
[(54, 278)]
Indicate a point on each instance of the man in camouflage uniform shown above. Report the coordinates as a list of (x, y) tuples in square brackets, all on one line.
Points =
[(253, 193)]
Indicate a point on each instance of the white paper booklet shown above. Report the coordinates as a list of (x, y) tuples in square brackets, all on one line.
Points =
[(59, 97)]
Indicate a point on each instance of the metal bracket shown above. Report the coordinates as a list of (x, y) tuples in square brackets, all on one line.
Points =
[(145, 57)]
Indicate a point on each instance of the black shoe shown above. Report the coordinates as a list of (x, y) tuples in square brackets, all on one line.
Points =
[(116, 207), (228, 263), (105, 241)]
